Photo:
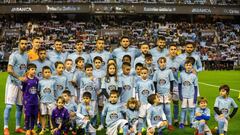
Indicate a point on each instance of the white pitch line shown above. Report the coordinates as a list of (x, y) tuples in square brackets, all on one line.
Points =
[(217, 86)]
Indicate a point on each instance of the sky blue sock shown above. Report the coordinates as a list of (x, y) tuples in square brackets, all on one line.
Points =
[(7, 111), (18, 115)]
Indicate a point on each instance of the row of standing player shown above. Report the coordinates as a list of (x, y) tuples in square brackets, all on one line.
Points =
[(58, 43)]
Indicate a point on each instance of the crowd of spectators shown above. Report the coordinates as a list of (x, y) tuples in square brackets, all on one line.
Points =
[(216, 41)]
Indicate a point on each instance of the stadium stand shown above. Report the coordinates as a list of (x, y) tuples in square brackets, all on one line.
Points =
[(216, 41)]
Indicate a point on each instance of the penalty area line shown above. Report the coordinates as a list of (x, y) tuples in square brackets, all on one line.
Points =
[(207, 84)]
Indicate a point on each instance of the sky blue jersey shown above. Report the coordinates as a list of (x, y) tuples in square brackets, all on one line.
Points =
[(163, 79), (47, 90), (144, 88), (19, 63)]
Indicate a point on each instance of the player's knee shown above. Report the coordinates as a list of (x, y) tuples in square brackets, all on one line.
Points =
[(221, 122), (202, 123), (140, 120), (8, 106)]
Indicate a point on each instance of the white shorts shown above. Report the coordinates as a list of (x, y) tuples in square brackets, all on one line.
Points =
[(13, 94), (175, 95), (143, 110), (165, 98), (47, 108), (113, 129), (83, 124), (188, 103)]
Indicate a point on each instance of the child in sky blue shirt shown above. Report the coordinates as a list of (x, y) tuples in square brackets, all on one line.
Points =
[(222, 107), (187, 92), (156, 118), (127, 82), (113, 111), (163, 80), (61, 79), (202, 115)]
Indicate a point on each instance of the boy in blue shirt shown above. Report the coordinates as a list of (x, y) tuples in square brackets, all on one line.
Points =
[(222, 107), (78, 75), (202, 115), (144, 88), (148, 62), (90, 84), (187, 92), (113, 111), (127, 82), (86, 114), (47, 96), (163, 81), (156, 118), (137, 72), (98, 72), (61, 79), (69, 73), (71, 106)]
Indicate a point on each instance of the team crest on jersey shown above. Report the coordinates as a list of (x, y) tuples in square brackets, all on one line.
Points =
[(47, 90), (186, 83), (22, 66), (39, 74), (113, 116), (89, 88), (58, 120), (150, 70), (59, 87), (145, 92), (33, 90), (134, 120), (127, 87), (224, 111), (157, 118), (162, 81), (112, 87)]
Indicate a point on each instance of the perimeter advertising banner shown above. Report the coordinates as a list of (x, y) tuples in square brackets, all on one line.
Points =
[(50, 8), (120, 8)]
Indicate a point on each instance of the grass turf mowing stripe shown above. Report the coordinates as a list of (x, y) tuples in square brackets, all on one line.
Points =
[(216, 86)]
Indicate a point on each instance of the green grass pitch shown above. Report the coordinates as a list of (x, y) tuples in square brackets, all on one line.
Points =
[(214, 78)]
